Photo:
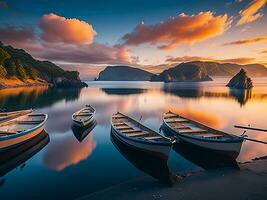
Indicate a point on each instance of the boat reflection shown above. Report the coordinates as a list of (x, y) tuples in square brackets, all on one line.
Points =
[(151, 164), (15, 157), (81, 132), (204, 158)]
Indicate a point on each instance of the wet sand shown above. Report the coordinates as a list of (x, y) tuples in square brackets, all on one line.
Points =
[(250, 182)]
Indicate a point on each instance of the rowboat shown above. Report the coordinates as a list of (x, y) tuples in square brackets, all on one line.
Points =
[(21, 129), (134, 134), (201, 135), (84, 116), (17, 156), (4, 116)]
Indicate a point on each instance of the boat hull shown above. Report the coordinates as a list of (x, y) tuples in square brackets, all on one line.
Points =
[(227, 148), (11, 142), (161, 149)]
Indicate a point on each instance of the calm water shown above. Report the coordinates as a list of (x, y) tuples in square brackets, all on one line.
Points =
[(59, 165)]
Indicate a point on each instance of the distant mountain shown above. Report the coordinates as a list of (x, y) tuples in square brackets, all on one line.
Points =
[(18, 68), (124, 73), (229, 69), (203, 71), (183, 72)]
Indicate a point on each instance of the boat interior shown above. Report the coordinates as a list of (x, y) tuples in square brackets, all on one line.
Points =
[(84, 114), (7, 115), (134, 129), (188, 127), (21, 124)]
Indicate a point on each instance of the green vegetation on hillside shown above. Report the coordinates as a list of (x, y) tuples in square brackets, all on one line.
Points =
[(18, 63)]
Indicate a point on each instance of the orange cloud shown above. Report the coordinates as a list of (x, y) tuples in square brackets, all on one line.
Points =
[(180, 29), (248, 41), (187, 59), (242, 60), (68, 151), (250, 13), (72, 31)]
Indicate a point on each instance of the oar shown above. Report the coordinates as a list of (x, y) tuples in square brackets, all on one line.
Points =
[(251, 128), (253, 140)]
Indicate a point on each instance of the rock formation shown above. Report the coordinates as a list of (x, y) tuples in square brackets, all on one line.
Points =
[(240, 81)]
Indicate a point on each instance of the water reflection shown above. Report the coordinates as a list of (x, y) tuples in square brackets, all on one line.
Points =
[(64, 151), (242, 96), (19, 155), (123, 91), (151, 164), (81, 132), (196, 90), (204, 158), (35, 97), (210, 103)]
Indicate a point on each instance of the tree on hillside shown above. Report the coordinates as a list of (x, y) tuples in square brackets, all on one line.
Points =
[(21, 71), (3, 72), (11, 69), (33, 74), (3, 56)]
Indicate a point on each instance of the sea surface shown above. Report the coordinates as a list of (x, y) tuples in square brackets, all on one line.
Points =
[(66, 162)]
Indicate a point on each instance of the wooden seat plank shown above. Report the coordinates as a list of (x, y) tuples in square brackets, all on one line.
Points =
[(192, 131), (137, 134), (153, 138)]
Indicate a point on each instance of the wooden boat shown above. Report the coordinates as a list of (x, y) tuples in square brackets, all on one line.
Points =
[(84, 116), (201, 135), (136, 135), (21, 129), (17, 156), (4, 116)]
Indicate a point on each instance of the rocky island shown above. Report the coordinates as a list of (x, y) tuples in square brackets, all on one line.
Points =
[(240, 81), (123, 73), (19, 69), (189, 71), (183, 72)]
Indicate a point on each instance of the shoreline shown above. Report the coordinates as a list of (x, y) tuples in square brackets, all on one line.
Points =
[(2, 87), (211, 184)]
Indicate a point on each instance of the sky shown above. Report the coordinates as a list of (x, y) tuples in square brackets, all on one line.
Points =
[(153, 35)]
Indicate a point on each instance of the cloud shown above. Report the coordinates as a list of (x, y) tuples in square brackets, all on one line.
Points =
[(263, 52), (180, 29), (187, 59), (251, 12), (15, 34), (94, 53), (242, 60), (248, 41), (71, 31)]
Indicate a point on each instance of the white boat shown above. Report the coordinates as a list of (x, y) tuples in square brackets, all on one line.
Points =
[(136, 135), (21, 129), (84, 116), (201, 135), (4, 116)]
